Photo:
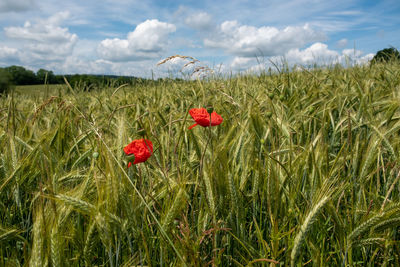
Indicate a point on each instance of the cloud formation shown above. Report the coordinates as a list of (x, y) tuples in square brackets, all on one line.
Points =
[(316, 53), (351, 56), (148, 41), (234, 34), (241, 63), (15, 5), (249, 41), (8, 53), (44, 40), (200, 21), (342, 43)]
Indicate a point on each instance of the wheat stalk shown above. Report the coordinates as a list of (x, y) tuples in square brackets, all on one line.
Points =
[(305, 227)]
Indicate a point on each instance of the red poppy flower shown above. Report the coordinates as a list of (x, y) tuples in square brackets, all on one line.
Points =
[(202, 117), (141, 149)]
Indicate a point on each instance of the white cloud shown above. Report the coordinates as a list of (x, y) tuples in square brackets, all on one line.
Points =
[(342, 43), (74, 64), (249, 41), (44, 40), (320, 54), (200, 21), (316, 53), (177, 66), (174, 62), (256, 69), (43, 31), (147, 41), (365, 59), (8, 53), (354, 56), (240, 63), (207, 33), (352, 53), (15, 5)]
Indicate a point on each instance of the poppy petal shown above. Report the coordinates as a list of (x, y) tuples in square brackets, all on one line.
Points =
[(202, 117), (141, 149), (216, 119), (192, 126)]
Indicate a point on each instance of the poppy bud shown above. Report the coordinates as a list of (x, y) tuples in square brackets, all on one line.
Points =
[(268, 114), (312, 109), (271, 95), (262, 141), (166, 108), (95, 155), (142, 132), (281, 97), (131, 158)]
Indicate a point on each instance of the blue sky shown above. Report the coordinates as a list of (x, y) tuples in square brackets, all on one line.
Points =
[(129, 37)]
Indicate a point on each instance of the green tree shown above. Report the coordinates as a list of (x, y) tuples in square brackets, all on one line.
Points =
[(5, 81), (45, 76), (386, 55), (21, 76)]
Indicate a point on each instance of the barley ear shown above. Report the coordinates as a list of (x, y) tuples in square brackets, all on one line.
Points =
[(305, 227)]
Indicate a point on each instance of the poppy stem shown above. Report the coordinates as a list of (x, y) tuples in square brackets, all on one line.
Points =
[(214, 219), (192, 126), (135, 188)]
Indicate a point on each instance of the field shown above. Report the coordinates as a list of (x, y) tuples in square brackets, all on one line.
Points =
[(41, 90), (303, 170)]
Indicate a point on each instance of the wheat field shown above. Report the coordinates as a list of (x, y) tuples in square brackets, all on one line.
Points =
[(303, 170)]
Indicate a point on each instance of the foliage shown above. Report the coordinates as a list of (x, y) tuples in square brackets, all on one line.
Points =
[(303, 169), (46, 77), (386, 55), (21, 76), (5, 81)]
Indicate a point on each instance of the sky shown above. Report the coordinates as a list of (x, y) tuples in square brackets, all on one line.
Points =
[(130, 37)]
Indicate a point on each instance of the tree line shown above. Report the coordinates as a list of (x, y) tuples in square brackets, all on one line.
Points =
[(386, 55), (17, 75)]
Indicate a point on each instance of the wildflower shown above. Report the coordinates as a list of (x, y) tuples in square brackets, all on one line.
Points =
[(141, 150), (202, 117)]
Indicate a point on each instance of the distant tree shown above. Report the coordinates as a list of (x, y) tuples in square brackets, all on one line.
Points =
[(123, 80), (21, 76), (5, 81), (45, 76), (59, 79), (386, 55)]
